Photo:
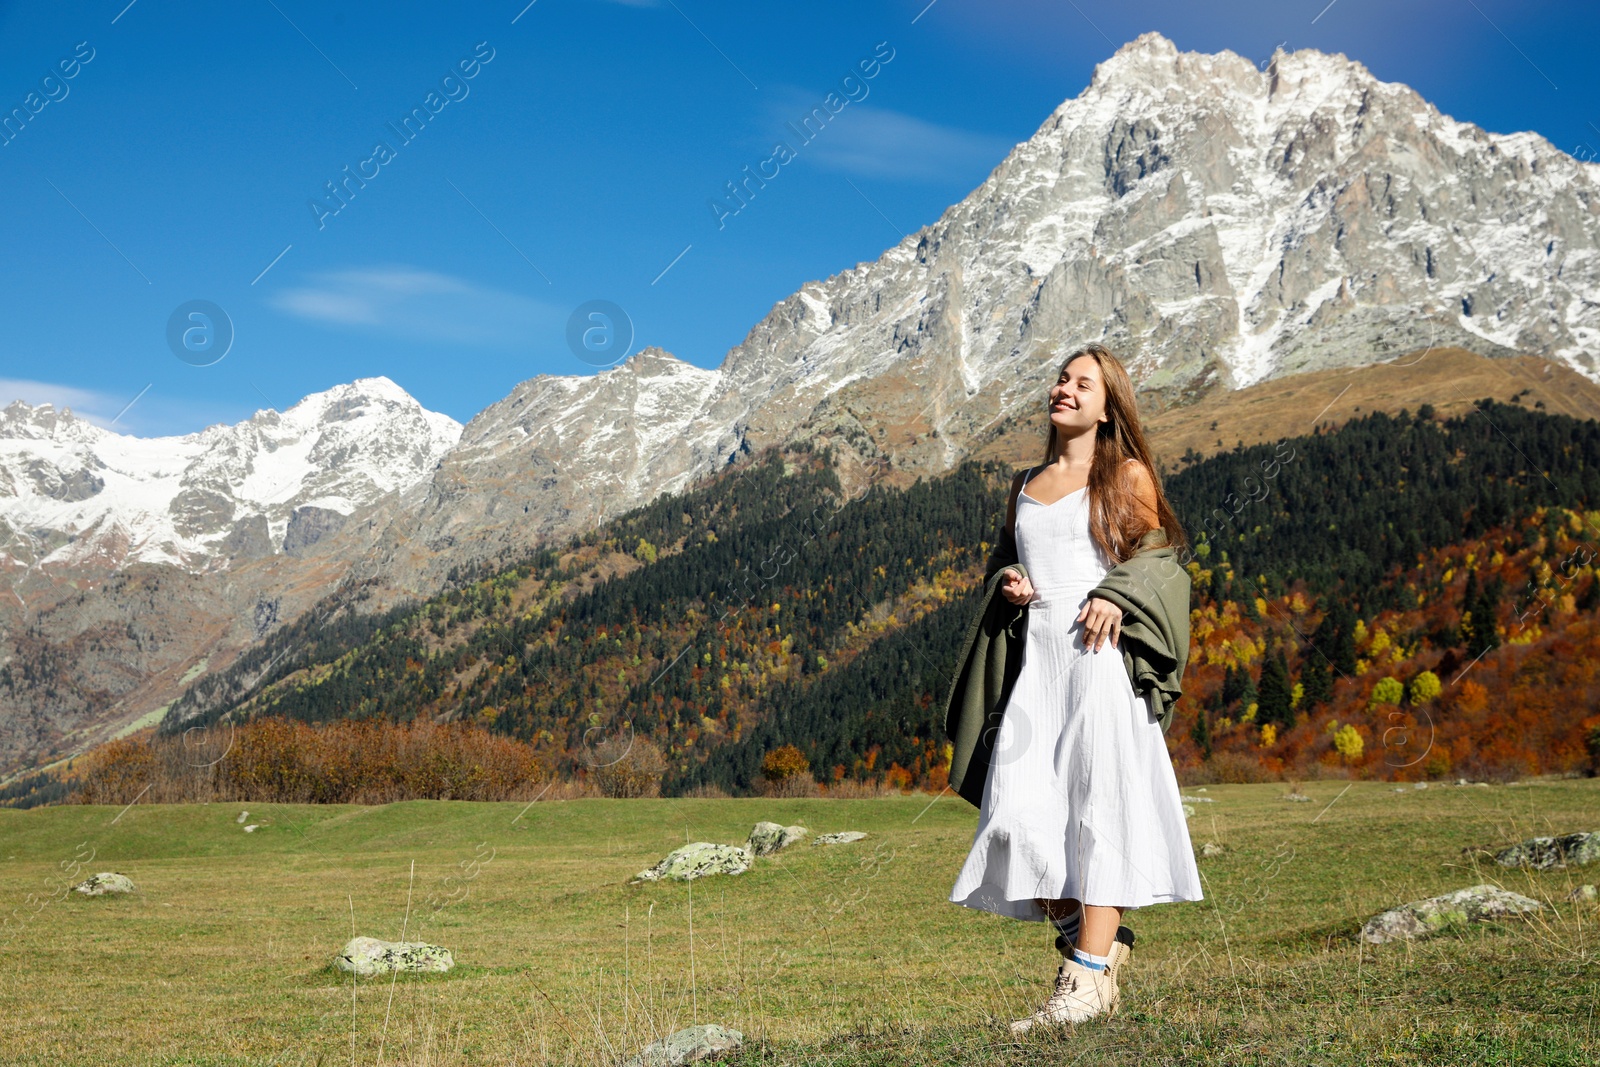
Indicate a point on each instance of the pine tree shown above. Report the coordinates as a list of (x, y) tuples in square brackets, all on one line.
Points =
[(1316, 675), (1202, 733), (1343, 638), (1276, 691), (1478, 611), (1237, 687)]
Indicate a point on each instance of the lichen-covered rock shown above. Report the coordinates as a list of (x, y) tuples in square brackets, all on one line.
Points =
[(1475, 904), (1211, 848), (843, 837), (693, 1045), (769, 837), (367, 956), (1188, 811), (1584, 894), (1198, 800), (106, 882), (1550, 853), (1299, 798), (243, 815), (698, 859)]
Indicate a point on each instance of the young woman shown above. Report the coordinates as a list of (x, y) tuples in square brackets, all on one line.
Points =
[(1081, 818)]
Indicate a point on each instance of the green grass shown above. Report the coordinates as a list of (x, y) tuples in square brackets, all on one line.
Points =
[(842, 955)]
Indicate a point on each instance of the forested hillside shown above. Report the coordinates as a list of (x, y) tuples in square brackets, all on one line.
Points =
[(1402, 597)]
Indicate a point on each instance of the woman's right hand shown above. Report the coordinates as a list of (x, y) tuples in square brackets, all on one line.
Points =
[(1015, 588)]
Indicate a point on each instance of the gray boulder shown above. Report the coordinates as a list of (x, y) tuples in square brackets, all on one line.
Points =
[(693, 1045), (769, 837), (1550, 853), (1211, 848), (106, 882), (1420, 918), (368, 956), (696, 860), (1584, 894), (1299, 798), (843, 837)]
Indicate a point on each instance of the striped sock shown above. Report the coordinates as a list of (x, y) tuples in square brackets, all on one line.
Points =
[(1089, 960), (1067, 930)]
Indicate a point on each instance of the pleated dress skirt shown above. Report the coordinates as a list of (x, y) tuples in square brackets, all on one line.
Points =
[(1080, 800)]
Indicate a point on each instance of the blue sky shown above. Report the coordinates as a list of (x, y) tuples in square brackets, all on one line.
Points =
[(576, 163)]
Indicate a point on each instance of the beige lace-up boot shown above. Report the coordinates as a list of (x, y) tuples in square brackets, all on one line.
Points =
[(1080, 994), (1121, 950)]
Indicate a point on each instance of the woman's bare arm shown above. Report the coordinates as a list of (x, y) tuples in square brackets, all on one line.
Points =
[(1013, 587), (1144, 487)]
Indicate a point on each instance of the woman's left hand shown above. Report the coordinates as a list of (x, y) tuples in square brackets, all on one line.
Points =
[(1101, 620)]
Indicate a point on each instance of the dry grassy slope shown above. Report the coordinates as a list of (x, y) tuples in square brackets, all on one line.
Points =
[(1451, 379)]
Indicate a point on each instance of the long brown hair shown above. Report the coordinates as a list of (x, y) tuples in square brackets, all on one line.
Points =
[(1115, 516)]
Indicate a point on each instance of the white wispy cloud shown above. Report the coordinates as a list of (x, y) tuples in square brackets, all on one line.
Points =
[(141, 412), (874, 142), (414, 304), (96, 407)]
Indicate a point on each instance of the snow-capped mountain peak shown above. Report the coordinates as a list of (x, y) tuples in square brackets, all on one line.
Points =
[(278, 481), (1213, 221)]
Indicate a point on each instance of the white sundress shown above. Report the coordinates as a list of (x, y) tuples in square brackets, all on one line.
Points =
[(1080, 800)]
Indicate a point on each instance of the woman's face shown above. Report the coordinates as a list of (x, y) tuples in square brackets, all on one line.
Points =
[(1078, 399)]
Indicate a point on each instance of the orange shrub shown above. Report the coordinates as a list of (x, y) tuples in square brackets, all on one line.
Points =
[(282, 761)]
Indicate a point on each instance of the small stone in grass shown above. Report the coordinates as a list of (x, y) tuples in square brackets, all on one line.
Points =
[(106, 882), (243, 815), (1419, 918), (1211, 848), (769, 837), (843, 837), (696, 860), (693, 1045), (367, 956), (1550, 853)]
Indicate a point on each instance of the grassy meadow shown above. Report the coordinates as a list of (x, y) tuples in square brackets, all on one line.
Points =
[(847, 954)]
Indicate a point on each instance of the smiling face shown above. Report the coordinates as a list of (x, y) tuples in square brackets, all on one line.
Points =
[(1078, 399)]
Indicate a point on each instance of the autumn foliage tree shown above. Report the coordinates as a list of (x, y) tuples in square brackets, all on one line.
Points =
[(787, 773), (626, 766)]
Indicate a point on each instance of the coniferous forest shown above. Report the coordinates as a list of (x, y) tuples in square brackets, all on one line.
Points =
[(1405, 597)]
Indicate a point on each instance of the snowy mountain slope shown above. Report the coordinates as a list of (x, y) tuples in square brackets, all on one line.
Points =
[(71, 492), (1216, 224)]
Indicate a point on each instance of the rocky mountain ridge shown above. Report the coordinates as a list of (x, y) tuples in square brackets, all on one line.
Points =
[(71, 491), (1216, 224)]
